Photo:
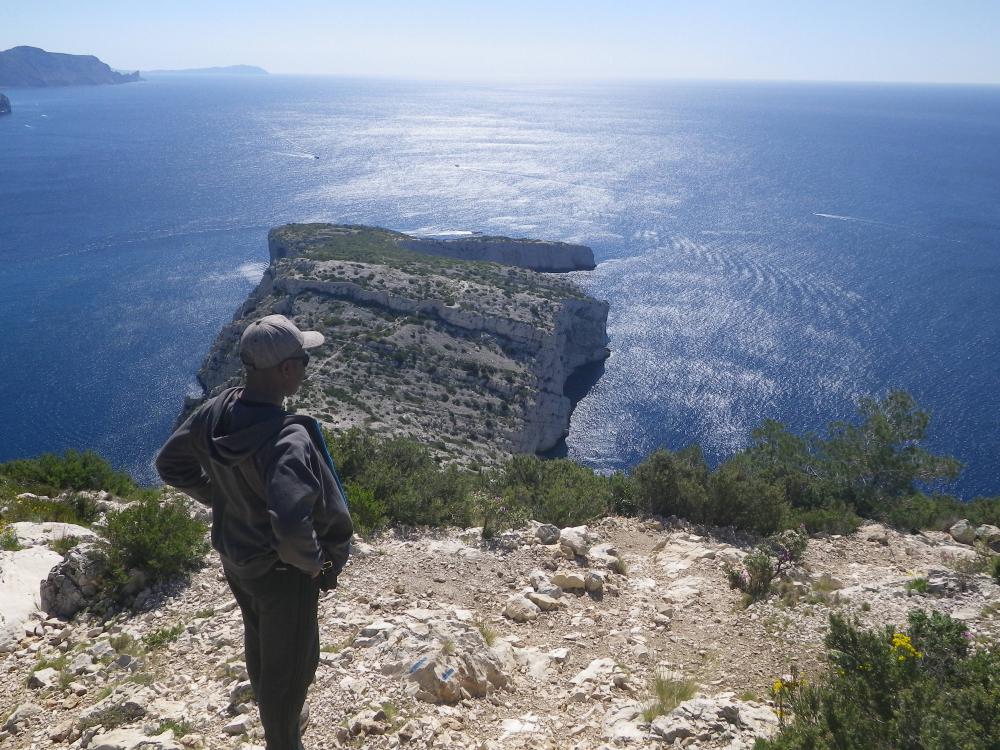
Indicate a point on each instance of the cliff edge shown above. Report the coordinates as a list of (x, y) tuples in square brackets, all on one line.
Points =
[(469, 357)]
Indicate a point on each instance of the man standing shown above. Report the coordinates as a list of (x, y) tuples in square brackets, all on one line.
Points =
[(280, 520)]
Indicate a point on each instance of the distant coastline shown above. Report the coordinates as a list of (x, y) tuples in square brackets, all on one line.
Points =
[(226, 70)]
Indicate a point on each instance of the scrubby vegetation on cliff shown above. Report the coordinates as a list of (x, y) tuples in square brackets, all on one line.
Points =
[(922, 688), (875, 469)]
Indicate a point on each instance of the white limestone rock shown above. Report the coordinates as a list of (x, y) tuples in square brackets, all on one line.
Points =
[(521, 609), (543, 602), (569, 581), (31, 534), (74, 581), (577, 540), (133, 739), (963, 532), (989, 535), (20, 574)]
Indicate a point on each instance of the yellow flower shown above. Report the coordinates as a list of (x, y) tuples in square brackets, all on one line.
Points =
[(903, 647)]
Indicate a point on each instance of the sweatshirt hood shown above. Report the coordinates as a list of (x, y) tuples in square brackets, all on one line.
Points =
[(234, 431)]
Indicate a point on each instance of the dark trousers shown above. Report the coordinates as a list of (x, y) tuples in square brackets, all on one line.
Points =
[(281, 639)]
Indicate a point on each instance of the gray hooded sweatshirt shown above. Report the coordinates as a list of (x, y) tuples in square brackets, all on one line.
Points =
[(266, 474)]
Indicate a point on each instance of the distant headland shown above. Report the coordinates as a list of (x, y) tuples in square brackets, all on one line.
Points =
[(225, 70), (31, 66)]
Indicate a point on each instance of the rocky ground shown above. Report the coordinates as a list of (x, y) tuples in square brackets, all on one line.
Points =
[(441, 640)]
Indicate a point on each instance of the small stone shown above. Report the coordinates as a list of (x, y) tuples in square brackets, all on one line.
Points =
[(576, 539), (43, 678), (547, 533), (569, 581), (241, 692), (521, 609), (240, 725), (593, 582), (543, 602)]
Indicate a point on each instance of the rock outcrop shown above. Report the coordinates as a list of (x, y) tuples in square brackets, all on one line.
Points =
[(471, 358), (74, 582), (20, 572), (5, 108), (537, 255), (31, 66)]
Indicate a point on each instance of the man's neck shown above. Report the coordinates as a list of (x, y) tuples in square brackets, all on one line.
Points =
[(262, 396)]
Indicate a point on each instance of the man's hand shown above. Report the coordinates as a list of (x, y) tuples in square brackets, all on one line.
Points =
[(327, 578)]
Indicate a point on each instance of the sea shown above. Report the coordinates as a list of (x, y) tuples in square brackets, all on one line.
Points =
[(769, 250)]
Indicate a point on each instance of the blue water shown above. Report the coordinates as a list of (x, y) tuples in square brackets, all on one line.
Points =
[(769, 250)]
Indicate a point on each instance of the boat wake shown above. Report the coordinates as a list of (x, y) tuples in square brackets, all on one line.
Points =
[(874, 222), (295, 155)]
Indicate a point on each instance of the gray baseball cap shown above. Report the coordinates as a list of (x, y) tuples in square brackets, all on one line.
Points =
[(271, 340)]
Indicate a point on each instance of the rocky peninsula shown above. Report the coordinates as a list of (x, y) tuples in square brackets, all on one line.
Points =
[(426, 339), (31, 66)]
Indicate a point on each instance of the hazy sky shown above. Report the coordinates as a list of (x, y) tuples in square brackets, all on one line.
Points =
[(853, 40)]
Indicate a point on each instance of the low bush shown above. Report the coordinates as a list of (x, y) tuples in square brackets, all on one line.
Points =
[(768, 562), (995, 569), (499, 513), (746, 500), (368, 513), (8, 538), (49, 474), (75, 508), (398, 481), (163, 540), (556, 491), (835, 519), (673, 484), (923, 689)]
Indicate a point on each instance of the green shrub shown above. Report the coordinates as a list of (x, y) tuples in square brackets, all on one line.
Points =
[(766, 563), (754, 576), (623, 496), (162, 636), (368, 514), (8, 538), (500, 513), (668, 692), (995, 569), (556, 491), (162, 540), (63, 544), (916, 690), (836, 519), (71, 471), (668, 483), (745, 500), (76, 508), (398, 481)]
